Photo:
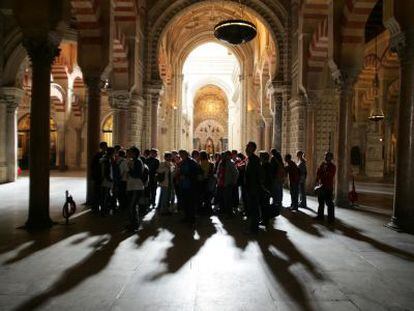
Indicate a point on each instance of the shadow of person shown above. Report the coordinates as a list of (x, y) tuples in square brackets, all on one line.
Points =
[(281, 271), (303, 222), (27, 244), (103, 249), (279, 254), (356, 234), (185, 244)]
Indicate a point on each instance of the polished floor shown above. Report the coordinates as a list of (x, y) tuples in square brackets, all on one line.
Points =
[(93, 264)]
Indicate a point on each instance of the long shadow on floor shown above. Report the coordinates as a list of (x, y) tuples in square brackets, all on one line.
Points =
[(280, 267), (110, 236), (185, 244), (307, 224)]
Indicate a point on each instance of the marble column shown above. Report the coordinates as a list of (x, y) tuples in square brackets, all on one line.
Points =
[(154, 123), (277, 107), (152, 96), (41, 53), (93, 83), (119, 101), (403, 214), (345, 90), (10, 98)]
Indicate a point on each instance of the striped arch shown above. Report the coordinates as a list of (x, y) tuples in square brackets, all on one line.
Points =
[(87, 16), (356, 14), (124, 11), (79, 92), (57, 98), (120, 53), (319, 47), (371, 64)]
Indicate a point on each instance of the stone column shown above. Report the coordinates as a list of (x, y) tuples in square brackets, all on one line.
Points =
[(61, 133), (10, 98), (41, 53), (345, 90), (153, 95), (276, 93), (135, 112), (403, 214), (119, 101), (93, 83)]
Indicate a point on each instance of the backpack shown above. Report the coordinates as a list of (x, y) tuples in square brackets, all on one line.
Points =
[(136, 170)]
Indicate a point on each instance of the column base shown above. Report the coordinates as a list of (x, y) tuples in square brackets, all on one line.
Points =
[(343, 203), (400, 226), (38, 224)]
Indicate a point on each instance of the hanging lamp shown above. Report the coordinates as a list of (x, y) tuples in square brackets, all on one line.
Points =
[(235, 31), (376, 112)]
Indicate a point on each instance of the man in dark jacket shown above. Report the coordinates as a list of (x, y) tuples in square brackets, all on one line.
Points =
[(293, 172), (253, 185), (97, 176), (188, 173), (325, 178)]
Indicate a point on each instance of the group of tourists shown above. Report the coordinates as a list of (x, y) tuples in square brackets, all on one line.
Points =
[(226, 183)]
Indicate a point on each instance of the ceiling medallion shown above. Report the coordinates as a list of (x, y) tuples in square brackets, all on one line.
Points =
[(235, 31)]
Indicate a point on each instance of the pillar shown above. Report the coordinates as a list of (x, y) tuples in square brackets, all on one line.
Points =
[(119, 101), (93, 83), (153, 94), (10, 98), (277, 107), (345, 89), (403, 213), (42, 52)]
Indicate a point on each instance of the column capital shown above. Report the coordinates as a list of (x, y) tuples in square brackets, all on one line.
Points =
[(11, 97), (119, 99), (42, 51)]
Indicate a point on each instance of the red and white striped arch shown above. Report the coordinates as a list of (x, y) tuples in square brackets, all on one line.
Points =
[(120, 53), (319, 47), (87, 16), (79, 92), (124, 11), (356, 14)]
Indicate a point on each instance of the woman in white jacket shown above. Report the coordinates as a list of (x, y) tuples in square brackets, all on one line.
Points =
[(164, 177)]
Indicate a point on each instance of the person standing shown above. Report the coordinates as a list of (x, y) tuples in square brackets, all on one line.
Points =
[(97, 177), (278, 179), (325, 178), (227, 180), (253, 184), (293, 172), (188, 173), (207, 168), (135, 186), (153, 163), (106, 163), (121, 182), (301, 163), (164, 177)]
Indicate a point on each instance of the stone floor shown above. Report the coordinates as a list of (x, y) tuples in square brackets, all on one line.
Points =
[(94, 264)]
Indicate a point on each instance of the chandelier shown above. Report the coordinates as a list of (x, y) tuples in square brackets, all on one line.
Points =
[(235, 31)]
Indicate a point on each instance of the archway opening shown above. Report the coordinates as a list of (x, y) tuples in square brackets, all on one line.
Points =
[(23, 143), (211, 106)]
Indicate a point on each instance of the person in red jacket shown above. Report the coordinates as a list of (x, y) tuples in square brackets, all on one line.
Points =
[(293, 171), (325, 178)]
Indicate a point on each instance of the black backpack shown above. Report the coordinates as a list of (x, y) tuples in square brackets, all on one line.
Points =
[(136, 170)]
